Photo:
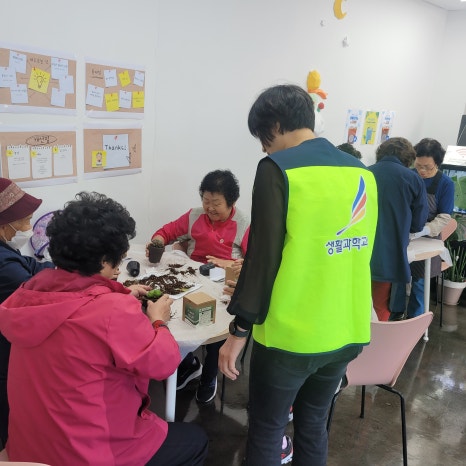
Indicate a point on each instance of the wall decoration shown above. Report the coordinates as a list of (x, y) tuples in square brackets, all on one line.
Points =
[(369, 130), (39, 156), (337, 11), (36, 81), (318, 96), (111, 150), (114, 91)]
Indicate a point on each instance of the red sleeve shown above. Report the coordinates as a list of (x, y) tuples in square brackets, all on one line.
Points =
[(138, 347), (171, 231), (244, 242)]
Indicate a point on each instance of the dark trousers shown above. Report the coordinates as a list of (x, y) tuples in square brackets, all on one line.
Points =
[(185, 445), (278, 380), (210, 369)]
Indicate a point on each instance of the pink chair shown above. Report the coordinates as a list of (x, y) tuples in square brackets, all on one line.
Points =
[(447, 231), (381, 362)]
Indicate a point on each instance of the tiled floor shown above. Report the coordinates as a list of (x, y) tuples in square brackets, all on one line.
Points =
[(433, 383)]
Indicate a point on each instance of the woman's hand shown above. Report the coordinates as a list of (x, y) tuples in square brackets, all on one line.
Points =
[(230, 288), (155, 237), (139, 290), (160, 310), (223, 263)]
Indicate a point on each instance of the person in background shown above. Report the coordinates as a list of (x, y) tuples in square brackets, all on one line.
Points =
[(402, 209), (87, 352), (217, 232), (303, 237), (16, 209), (440, 198), (349, 149)]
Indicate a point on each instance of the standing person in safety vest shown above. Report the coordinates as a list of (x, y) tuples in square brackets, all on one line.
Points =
[(314, 215)]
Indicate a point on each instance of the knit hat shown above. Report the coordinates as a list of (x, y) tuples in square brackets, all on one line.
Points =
[(15, 204)]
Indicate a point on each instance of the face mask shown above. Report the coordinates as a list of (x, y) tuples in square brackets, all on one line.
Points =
[(20, 238)]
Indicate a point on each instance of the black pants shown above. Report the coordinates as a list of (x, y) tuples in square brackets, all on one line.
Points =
[(185, 445), (210, 369)]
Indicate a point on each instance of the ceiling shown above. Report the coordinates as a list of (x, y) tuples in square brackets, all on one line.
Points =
[(451, 5)]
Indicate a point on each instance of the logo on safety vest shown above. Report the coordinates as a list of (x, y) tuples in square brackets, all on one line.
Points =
[(358, 209)]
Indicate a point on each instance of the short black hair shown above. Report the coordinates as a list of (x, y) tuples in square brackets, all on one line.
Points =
[(400, 148), (286, 108), (428, 147), (222, 182), (349, 149), (89, 230)]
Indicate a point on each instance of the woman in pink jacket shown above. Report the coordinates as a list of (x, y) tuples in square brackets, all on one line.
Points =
[(82, 353), (216, 232)]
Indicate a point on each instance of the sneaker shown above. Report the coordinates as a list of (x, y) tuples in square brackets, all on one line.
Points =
[(396, 316), (206, 392), (287, 450), (186, 375), (290, 415)]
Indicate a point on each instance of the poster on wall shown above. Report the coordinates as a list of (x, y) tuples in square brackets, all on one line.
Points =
[(353, 126), (36, 81), (369, 130), (384, 131), (114, 90), (111, 150), (39, 156)]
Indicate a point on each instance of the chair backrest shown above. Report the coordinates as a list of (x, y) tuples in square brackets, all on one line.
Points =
[(382, 360), (4, 460), (448, 229)]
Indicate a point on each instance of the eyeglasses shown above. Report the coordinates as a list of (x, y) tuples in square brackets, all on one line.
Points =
[(424, 168)]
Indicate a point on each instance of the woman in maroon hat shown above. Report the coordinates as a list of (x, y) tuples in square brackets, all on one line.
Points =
[(16, 209)]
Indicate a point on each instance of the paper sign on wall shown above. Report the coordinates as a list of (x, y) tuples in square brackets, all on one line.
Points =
[(117, 149)]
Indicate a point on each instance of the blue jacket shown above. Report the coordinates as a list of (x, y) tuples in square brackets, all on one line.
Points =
[(403, 209), (16, 269)]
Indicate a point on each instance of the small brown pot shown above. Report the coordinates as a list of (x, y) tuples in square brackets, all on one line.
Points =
[(155, 253)]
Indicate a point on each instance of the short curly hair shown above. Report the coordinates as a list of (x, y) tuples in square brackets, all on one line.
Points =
[(89, 230), (400, 148), (428, 147), (349, 149), (221, 182)]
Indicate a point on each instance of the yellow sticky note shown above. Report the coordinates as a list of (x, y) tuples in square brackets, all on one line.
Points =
[(99, 158), (33, 153), (39, 80), (124, 78), (138, 99), (55, 149), (9, 153), (111, 102)]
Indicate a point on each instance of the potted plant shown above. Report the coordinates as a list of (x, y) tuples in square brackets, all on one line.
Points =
[(454, 278), (156, 249)]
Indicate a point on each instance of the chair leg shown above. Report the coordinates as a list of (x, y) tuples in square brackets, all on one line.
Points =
[(403, 421), (222, 396), (245, 347), (441, 300), (363, 401)]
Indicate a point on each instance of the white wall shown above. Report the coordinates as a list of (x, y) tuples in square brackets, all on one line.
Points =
[(206, 61)]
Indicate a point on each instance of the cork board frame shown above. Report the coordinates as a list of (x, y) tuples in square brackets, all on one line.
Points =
[(38, 156), (112, 150), (43, 81)]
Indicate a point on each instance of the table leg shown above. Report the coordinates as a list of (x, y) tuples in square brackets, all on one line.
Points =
[(427, 263), (170, 397)]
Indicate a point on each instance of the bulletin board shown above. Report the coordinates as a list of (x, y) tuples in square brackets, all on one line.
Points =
[(40, 157), (116, 91), (36, 81), (112, 151)]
